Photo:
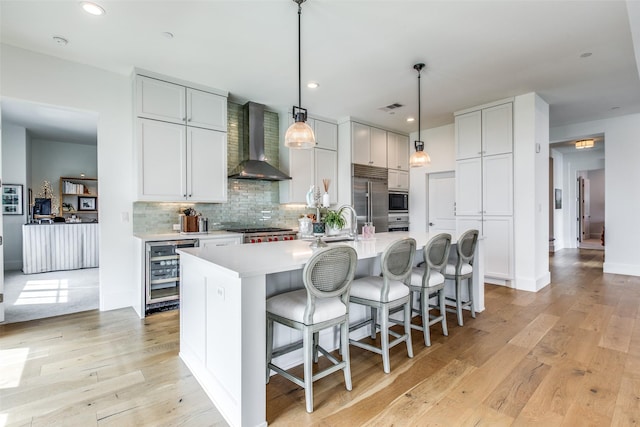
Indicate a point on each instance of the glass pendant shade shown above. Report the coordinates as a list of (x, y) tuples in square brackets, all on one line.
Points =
[(299, 135), (420, 157)]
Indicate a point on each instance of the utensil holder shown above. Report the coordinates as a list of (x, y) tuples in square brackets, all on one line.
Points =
[(189, 224)]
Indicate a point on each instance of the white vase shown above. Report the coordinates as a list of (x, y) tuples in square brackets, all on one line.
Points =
[(333, 231), (325, 200)]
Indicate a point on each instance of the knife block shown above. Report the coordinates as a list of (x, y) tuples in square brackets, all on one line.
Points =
[(189, 224)]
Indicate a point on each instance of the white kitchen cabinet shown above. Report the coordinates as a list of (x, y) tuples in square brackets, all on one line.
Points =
[(326, 134), (397, 151), (310, 167), (326, 167), (170, 102), (179, 163), (208, 241), (398, 180), (368, 145), (484, 182), (484, 132)]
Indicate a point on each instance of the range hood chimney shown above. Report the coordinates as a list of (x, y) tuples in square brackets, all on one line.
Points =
[(255, 168)]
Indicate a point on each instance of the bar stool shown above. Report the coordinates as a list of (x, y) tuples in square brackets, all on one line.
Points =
[(428, 282), (386, 293), (323, 303), (463, 270)]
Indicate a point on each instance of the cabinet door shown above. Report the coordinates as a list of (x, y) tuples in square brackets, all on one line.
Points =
[(498, 245), (468, 129), (301, 167), (398, 180), (497, 185), (162, 151), (469, 187), (497, 129), (206, 110), (360, 143), (160, 100), (207, 165), (465, 223), (326, 135), (326, 167), (397, 151), (378, 150)]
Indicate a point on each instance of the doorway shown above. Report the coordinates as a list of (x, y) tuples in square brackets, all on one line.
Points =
[(42, 143), (590, 208)]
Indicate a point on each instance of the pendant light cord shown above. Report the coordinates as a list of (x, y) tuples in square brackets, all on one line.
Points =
[(419, 113), (299, 61)]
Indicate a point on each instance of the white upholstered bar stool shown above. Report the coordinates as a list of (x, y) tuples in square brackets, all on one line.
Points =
[(463, 270), (427, 281), (323, 303), (386, 293)]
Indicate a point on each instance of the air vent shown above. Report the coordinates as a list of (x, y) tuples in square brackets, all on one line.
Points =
[(391, 107)]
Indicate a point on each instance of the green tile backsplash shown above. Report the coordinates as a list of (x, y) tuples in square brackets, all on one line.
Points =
[(249, 202)]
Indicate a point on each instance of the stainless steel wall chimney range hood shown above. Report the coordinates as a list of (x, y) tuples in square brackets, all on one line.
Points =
[(255, 168)]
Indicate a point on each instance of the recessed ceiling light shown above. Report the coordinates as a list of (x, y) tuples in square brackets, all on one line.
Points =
[(167, 35), (586, 55), (60, 40), (313, 85), (92, 8), (411, 119)]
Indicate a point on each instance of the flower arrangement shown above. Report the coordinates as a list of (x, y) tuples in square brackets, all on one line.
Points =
[(334, 219)]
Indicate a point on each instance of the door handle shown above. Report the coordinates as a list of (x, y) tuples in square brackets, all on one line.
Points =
[(430, 224)]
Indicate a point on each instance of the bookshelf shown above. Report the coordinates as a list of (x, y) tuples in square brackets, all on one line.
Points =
[(78, 196)]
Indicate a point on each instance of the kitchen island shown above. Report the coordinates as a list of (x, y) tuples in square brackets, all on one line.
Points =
[(222, 313)]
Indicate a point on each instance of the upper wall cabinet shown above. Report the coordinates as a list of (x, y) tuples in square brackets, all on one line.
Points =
[(368, 145), (181, 142), (326, 134), (485, 132), (170, 102), (397, 151)]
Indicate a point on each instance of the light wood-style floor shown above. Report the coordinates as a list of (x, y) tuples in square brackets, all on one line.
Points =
[(568, 355)]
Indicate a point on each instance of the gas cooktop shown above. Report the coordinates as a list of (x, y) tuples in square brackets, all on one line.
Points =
[(257, 230)]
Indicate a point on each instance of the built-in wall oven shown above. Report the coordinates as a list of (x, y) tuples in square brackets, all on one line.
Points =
[(398, 202), (398, 222), (162, 273)]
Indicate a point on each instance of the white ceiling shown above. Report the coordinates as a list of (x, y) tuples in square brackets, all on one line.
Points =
[(361, 52)]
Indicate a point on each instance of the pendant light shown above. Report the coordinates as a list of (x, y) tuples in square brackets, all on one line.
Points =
[(299, 135), (420, 157)]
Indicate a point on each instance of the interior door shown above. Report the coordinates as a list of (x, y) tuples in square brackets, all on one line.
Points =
[(1, 245), (583, 209), (442, 200)]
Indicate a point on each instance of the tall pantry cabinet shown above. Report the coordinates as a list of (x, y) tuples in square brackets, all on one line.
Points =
[(484, 182), (181, 134)]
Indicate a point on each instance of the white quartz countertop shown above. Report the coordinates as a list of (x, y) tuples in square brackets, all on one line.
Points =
[(181, 236), (274, 257)]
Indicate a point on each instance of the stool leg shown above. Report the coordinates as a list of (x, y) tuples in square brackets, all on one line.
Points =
[(407, 330), (459, 300), (344, 346), (443, 312), (269, 346), (315, 347), (424, 312), (384, 338), (374, 319), (307, 349)]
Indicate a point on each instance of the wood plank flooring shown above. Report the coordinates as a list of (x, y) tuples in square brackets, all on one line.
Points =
[(568, 355)]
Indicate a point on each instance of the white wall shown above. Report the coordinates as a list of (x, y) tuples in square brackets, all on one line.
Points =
[(622, 138), (531, 192), (439, 143), (52, 159), (44, 79), (15, 142)]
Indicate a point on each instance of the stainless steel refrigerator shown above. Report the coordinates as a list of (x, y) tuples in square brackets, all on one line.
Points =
[(370, 196)]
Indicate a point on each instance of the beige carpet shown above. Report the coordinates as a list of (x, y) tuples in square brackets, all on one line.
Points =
[(36, 296)]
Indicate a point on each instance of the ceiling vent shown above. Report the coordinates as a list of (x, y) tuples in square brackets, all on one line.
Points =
[(391, 107)]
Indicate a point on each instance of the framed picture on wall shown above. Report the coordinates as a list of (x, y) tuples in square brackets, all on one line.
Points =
[(12, 199), (86, 203), (558, 198)]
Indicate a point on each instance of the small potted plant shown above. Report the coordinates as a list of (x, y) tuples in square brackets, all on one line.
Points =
[(334, 221)]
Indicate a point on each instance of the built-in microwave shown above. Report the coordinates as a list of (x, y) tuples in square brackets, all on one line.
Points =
[(398, 202)]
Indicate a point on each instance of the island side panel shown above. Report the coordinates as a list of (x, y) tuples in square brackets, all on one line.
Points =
[(222, 338)]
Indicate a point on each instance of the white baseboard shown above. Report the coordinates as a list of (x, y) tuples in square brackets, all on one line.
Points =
[(617, 268)]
